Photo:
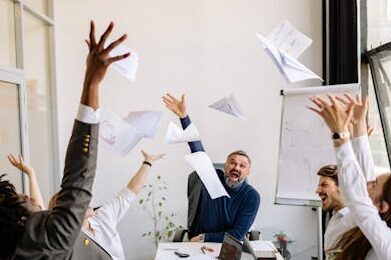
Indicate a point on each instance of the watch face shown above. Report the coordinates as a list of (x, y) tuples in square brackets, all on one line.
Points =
[(336, 136)]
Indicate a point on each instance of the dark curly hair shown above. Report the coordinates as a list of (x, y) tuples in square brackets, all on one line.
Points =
[(12, 216)]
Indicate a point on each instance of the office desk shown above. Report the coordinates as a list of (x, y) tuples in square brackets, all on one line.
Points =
[(166, 251)]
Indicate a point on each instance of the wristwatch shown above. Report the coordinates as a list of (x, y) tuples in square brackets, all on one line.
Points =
[(340, 135)]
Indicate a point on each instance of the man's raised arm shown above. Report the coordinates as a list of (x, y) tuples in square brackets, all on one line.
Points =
[(62, 224), (178, 107)]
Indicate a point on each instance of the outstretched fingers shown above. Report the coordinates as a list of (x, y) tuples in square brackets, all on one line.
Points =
[(117, 58), (105, 35), (115, 43), (92, 42)]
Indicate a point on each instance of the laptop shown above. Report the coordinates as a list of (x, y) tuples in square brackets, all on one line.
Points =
[(231, 248), (258, 255)]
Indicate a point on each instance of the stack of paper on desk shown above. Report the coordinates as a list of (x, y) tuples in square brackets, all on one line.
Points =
[(228, 105), (176, 134), (122, 135), (284, 45), (202, 164)]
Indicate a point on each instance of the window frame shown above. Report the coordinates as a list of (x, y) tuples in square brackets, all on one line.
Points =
[(17, 76)]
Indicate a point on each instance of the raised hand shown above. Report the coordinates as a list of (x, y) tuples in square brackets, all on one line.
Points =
[(98, 61), (151, 157), (19, 163), (360, 111), (336, 117), (175, 105)]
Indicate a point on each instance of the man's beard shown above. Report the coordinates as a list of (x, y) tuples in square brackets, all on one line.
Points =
[(233, 184)]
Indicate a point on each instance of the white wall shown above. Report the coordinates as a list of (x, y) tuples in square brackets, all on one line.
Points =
[(207, 50)]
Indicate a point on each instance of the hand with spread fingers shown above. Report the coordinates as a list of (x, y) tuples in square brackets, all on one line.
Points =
[(360, 111), (175, 105), (35, 192), (19, 163), (336, 116), (138, 180), (98, 61), (151, 157)]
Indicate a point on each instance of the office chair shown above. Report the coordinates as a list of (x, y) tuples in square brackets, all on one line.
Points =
[(193, 197)]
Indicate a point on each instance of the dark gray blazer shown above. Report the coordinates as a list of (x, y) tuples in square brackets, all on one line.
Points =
[(52, 234)]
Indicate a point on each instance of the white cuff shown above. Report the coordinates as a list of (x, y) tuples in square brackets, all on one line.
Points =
[(87, 114), (360, 142)]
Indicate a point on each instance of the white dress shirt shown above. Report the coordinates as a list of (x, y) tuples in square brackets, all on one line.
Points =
[(339, 223), (354, 188), (104, 223), (88, 115), (342, 220)]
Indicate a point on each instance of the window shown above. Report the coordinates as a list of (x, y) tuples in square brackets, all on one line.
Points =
[(376, 27), (29, 57)]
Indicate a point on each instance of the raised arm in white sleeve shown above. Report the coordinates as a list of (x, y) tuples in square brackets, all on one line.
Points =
[(354, 187)]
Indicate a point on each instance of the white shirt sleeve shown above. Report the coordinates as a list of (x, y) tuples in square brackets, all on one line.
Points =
[(87, 115), (113, 211), (362, 151), (354, 188)]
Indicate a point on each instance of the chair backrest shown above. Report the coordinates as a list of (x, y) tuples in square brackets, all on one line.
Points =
[(194, 185)]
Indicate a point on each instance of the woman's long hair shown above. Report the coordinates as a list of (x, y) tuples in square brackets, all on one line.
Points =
[(353, 245)]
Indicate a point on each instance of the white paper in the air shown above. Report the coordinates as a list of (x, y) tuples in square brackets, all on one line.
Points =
[(230, 106), (289, 40), (291, 69), (126, 67), (116, 134), (176, 134), (145, 122), (203, 165)]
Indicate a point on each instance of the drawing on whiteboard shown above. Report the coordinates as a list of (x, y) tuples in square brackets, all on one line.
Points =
[(305, 146)]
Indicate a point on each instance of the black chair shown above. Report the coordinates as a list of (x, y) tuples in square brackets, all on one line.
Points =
[(193, 196)]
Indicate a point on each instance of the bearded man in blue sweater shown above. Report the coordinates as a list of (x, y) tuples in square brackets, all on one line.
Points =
[(234, 215)]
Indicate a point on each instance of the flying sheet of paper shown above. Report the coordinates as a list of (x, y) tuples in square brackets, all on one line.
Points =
[(145, 122), (176, 134), (229, 105), (290, 68), (127, 67), (202, 164), (289, 40), (116, 134)]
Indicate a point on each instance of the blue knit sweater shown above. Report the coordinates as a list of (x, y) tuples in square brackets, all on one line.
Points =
[(234, 215)]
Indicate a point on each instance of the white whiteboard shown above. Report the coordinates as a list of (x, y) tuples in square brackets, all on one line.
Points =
[(305, 145)]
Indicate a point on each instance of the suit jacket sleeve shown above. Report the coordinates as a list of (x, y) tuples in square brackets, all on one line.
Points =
[(55, 231)]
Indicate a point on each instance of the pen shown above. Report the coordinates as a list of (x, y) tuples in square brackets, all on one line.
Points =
[(203, 248)]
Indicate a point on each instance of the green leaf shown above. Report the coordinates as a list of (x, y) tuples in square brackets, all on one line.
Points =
[(159, 177), (159, 213), (160, 204), (141, 201), (163, 198)]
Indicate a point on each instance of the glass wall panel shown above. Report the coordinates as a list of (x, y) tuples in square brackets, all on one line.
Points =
[(40, 6), (7, 32), (378, 32), (10, 137), (379, 22), (39, 111)]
